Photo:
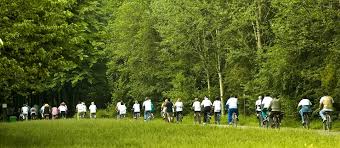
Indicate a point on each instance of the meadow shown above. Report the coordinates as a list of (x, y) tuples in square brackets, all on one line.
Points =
[(157, 133)]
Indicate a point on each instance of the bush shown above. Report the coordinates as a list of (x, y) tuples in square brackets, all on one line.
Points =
[(104, 113)]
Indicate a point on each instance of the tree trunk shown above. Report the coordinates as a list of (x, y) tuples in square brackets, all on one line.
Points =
[(208, 81), (258, 26), (220, 80)]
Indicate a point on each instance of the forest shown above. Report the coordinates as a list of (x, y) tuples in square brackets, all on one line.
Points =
[(110, 50)]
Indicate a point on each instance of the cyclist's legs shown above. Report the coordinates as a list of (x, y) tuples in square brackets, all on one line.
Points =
[(230, 113), (205, 116), (198, 117), (195, 117), (304, 109), (217, 117), (258, 114), (322, 113), (264, 113), (178, 116), (146, 115), (169, 116)]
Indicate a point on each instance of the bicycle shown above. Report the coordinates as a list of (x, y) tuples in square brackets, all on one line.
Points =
[(265, 122), (276, 120), (207, 118), (327, 125), (306, 123), (234, 119), (259, 118), (179, 117), (197, 117), (217, 117)]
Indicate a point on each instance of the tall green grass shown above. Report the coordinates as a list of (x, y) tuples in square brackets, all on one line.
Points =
[(131, 133)]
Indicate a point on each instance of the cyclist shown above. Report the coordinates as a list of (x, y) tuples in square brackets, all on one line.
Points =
[(179, 110), (326, 103), (136, 110), (54, 112), (305, 105), (206, 103), (63, 110), (80, 111), (275, 107), (117, 106), (169, 110), (33, 112), (47, 111), (217, 110), (231, 105), (24, 110), (163, 109), (147, 109), (196, 106), (258, 109), (265, 106), (93, 110), (122, 110)]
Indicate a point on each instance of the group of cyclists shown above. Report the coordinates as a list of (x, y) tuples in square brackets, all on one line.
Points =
[(54, 112), (268, 109), (45, 111)]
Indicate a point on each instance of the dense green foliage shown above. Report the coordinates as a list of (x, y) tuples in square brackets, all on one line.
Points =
[(130, 133), (128, 49)]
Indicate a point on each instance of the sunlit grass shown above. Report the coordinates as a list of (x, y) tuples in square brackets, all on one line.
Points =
[(131, 133)]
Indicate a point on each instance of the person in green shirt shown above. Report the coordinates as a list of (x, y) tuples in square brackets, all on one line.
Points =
[(275, 107), (326, 103)]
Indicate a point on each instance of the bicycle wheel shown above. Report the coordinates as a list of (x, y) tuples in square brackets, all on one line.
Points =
[(234, 120), (306, 123), (180, 118), (265, 123), (277, 122), (328, 122)]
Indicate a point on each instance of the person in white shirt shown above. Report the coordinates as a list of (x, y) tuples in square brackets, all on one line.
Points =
[(179, 110), (231, 105), (84, 109), (63, 110), (265, 106), (136, 110), (122, 110), (24, 110), (42, 111), (33, 112), (80, 111), (147, 109), (258, 109), (206, 103), (163, 109), (305, 105), (93, 110), (117, 106), (196, 106), (217, 105)]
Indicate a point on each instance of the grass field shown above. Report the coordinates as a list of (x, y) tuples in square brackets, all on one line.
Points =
[(131, 133)]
